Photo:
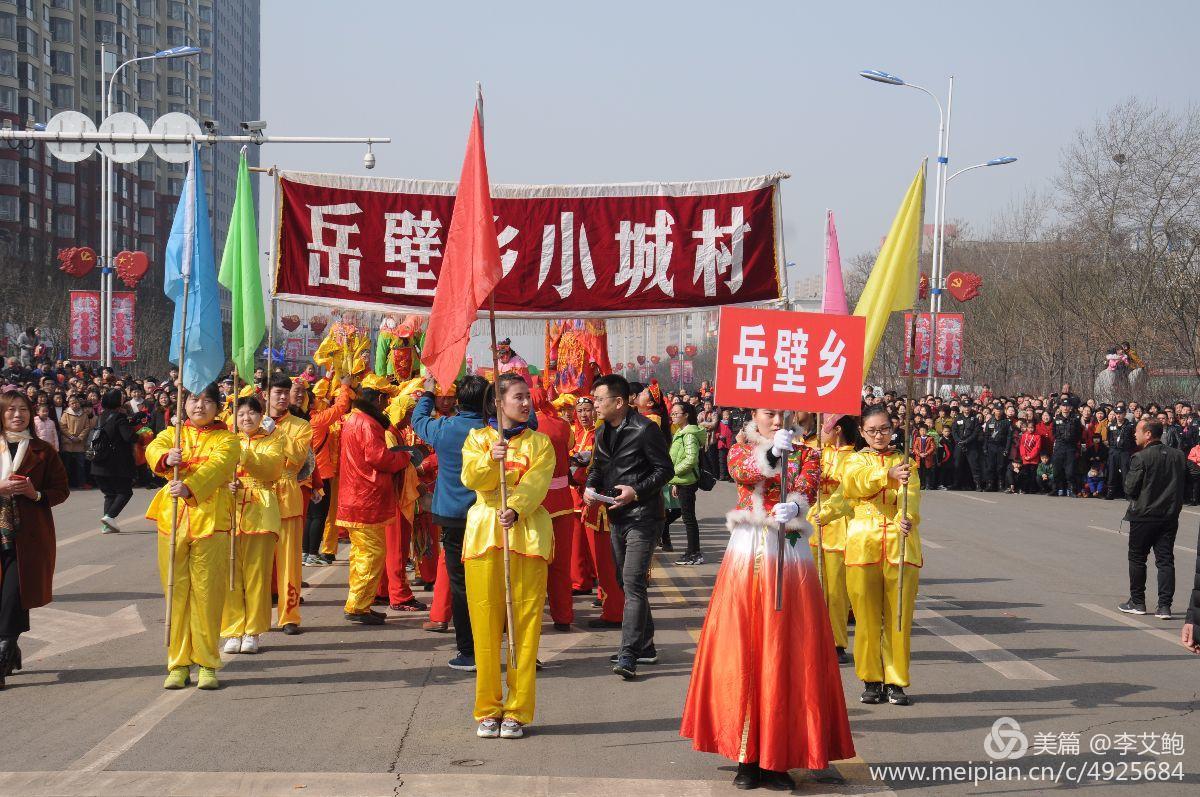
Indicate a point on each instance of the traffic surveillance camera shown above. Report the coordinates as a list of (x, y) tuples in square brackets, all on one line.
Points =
[(254, 127), (369, 158)]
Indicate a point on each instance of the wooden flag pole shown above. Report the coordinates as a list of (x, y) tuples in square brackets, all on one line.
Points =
[(233, 510), (508, 603), (911, 344), (783, 481), (179, 411)]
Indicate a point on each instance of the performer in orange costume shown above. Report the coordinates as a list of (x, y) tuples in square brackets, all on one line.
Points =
[(561, 509)]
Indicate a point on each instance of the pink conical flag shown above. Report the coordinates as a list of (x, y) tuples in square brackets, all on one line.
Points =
[(834, 300)]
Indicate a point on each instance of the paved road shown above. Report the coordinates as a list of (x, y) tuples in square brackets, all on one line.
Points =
[(1016, 619)]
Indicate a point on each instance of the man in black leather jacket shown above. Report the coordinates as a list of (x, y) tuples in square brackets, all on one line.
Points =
[(1066, 448), (997, 439), (967, 434), (631, 464)]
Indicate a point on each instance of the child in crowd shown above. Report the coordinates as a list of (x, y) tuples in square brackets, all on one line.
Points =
[(1045, 475), (1093, 486)]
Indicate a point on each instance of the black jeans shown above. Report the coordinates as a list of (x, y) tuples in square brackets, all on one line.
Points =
[(1063, 459), (76, 465), (633, 547), (314, 524), (1114, 476), (117, 492), (688, 513), (1159, 535), (723, 465), (452, 544), (14, 617), (968, 456)]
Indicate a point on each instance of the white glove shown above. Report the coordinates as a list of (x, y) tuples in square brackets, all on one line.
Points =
[(782, 443), (268, 424), (786, 512)]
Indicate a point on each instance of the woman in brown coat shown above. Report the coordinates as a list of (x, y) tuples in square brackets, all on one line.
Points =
[(32, 480)]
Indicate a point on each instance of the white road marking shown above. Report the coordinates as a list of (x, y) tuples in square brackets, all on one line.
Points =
[(72, 540), (78, 573), (111, 747), (936, 603), (931, 544), (1128, 620), (985, 651), (1121, 533), (67, 631), (970, 497)]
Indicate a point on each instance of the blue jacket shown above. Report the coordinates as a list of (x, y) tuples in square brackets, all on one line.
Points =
[(446, 435)]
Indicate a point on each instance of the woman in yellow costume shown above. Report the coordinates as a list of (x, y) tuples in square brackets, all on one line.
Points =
[(207, 455), (840, 439), (879, 533), (256, 509), (527, 460)]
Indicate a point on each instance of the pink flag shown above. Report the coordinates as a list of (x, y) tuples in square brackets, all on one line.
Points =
[(834, 300)]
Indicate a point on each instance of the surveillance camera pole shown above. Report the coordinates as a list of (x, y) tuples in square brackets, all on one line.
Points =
[(256, 137)]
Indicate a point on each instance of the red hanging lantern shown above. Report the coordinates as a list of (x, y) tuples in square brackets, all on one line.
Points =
[(290, 322), (672, 350), (963, 285), (318, 323), (78, 261), (618, 367), (654, 358), (131, 267), (923, 286), (641, 358), (690, 350)]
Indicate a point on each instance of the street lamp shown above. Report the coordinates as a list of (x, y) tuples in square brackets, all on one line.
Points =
[(1002, 161), (106, 190), (939, 200)]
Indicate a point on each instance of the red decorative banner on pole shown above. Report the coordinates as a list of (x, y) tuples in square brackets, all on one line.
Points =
[(293, 350), (124, 326), (780, 360), (949, 345), (85, 325), (566, 251)]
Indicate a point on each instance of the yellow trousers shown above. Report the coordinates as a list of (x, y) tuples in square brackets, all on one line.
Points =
[(201, 582), (881, 653), (329, 542), (367, 549), (836, 596), (485, 600), (248, 604), (289, 570)]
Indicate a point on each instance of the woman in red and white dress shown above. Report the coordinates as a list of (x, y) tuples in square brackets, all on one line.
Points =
[(765, 688)]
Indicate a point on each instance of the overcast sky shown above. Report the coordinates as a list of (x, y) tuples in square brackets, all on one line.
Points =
[(630, 91)]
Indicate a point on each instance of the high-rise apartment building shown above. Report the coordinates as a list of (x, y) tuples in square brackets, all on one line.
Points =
[(50, 61)]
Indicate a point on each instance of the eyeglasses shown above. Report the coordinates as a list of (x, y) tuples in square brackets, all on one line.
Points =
[(876, 432), (598, 399)]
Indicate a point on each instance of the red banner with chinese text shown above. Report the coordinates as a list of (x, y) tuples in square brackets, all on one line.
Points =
[(567, 251), (780, 360), (949, 345), (124, 326), (85, 325)]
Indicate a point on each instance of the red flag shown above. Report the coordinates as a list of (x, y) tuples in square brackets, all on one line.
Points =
[(470, 266)]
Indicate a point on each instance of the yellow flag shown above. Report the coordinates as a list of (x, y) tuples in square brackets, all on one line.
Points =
[(893, 282)]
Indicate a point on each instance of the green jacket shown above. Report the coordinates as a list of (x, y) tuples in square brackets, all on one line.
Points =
[(686, 447)]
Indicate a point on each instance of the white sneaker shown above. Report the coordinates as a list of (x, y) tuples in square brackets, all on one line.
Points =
[(233, 645), (109, 525), (488, 728), (511, 729), (250, 644)]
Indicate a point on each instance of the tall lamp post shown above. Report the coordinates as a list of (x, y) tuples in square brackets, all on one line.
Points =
[(106, 190), (939, 201)]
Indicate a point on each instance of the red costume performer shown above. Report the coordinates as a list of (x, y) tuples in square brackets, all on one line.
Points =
[(765, 684), (561, 509), (592, 521)]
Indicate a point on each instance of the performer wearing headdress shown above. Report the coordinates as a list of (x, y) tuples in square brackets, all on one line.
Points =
[(765, 689), (207, 456), (880, 539), (511, 362), (592, 521)]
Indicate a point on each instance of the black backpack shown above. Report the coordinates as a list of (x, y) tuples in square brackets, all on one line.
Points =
[(705, 478), (99, 448)]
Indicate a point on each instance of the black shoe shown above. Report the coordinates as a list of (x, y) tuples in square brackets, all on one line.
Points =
[(686, 559), (748, 776), (1162, 613), (1129, 607), (328, 557), (378, 601), (667, 547), (578, 592), (842, 657), (873, 694), (562, 627), (626, 668), (291, 629), (598, 623), (366, 618), (647, 657), (380, 615), (780, 781), (896, 696), (597, 604)]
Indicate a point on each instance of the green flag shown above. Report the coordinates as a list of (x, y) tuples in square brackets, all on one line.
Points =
[(240, 274)]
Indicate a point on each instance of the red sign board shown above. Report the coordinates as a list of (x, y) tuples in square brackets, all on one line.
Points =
[(775, 359), (85, 325), (566, 251), (949, 359), (124, 322)]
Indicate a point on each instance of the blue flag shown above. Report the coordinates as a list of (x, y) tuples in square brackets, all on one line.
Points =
[(190, 258)]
